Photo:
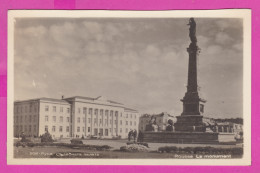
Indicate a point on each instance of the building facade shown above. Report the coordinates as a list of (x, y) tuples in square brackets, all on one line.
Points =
[(161, 120), (74, 117)]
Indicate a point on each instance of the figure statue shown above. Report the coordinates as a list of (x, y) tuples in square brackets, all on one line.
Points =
[(152, 126), (192, 33)]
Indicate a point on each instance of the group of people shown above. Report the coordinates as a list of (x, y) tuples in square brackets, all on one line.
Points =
[(132, 135)]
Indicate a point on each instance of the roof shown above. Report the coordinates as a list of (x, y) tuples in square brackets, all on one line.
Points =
[(129, 109), (42, 98), (93, 99)]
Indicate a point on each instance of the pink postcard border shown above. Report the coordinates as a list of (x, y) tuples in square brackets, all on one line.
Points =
[(254, 5)]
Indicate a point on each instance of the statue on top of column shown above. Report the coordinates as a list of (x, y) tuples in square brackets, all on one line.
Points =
[(192, 33)]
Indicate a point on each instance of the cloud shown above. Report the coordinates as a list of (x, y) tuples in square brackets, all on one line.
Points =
[(142, 63), (223, 38)]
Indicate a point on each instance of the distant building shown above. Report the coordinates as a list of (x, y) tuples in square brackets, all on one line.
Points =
[(74, 117), (161, 120)]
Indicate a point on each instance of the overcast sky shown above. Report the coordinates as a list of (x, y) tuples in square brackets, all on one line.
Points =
[(142, 63)]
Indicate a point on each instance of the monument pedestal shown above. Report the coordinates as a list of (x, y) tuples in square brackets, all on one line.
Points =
[(190, 123)]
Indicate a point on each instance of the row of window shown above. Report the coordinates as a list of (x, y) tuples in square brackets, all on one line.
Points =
[(95, 130), (53, 129), (106, 121), (26, 128), (54, 109), (30, 118), (54, 119), (101, 112), (22, 109)]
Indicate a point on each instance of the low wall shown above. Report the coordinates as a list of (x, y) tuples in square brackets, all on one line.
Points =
[(181, 137), (226, 137)]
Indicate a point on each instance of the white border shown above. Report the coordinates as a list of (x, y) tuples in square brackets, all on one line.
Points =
[(245, 14)]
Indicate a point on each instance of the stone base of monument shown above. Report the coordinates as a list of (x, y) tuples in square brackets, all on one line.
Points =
[(181, 137), (190, 123)]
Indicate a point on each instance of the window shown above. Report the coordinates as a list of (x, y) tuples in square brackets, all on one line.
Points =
[(120, 122), (46, 128), (61, 109), (54, 118), (34, 128), (30, 118), (116, 113), (35, 107), (30, 128), (78, 129), (21, 119), (78, 119), (96, 112), (79, 110), (53, 128), (30, 108), (95, 120), (68, 119), (100, 121), (54, 108), (84, 110), (120, 130), (61, 119), (25, 108), (34, 118), (46, 118), (90, 111), (67, 129), (68, 110), (46, 108), (115, 121), (21, 109), (130, 123), (60, 129), (88, 129), (106, 113), (25, 118), (126, 123)]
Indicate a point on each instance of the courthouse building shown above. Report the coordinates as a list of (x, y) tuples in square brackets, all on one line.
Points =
[(74, 117)]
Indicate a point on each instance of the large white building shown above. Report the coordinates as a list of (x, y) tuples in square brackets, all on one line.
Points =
[(74, 117)]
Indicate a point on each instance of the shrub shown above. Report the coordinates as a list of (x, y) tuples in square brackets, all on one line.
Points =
[(201, 150), (76, 141), (46, 137), (134, 148)]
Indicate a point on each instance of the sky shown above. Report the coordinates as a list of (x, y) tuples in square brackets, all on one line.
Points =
[(142, 63)]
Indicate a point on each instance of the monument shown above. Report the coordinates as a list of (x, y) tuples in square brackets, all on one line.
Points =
[(191, 118), (190, 127)]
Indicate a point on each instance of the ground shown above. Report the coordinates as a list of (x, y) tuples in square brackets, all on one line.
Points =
[(46, 152)]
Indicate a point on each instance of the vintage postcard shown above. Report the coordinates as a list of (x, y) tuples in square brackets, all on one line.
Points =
[(129, 87)]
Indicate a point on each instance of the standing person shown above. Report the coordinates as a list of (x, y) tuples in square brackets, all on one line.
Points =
[(134, 134), (140, 136), (130, 134)]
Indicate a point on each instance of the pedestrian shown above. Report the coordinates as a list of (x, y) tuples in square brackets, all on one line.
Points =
[(130, 134), (134, 134)]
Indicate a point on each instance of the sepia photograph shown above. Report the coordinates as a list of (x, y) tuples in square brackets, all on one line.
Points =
[(129, 87)]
